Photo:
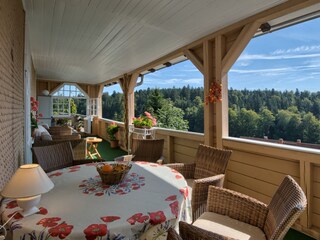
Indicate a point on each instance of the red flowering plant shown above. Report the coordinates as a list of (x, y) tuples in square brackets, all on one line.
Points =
[(215, 94), (146, 121), (34, 115)]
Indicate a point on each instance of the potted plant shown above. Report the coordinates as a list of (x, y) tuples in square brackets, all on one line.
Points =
[(146, 121), (112, 129)]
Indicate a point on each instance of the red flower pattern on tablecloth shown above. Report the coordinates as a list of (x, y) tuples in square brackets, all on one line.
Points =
[(18, 216), (138, 217), (74, 168), (62, 230), (178, 176), (12, 204), (157, 217), (108, 219), (185, 192), (49, 222), (174, 208), (171, 198), (56, 174), (95, 230), (95, 186), (42, 211)]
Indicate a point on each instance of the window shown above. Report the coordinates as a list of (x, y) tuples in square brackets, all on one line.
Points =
[(69, 99), (274, 87)]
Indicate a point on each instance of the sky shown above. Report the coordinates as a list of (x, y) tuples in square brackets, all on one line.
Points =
[(287, 59)]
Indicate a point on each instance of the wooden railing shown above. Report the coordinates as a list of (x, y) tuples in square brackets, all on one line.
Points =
[(255, 168)]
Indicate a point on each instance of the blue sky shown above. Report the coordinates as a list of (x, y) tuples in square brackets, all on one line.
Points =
[(284, 60)]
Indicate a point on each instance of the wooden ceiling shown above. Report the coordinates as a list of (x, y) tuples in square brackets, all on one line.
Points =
[(91, 41)]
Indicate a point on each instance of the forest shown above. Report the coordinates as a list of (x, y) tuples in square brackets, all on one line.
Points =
[(289, 115)]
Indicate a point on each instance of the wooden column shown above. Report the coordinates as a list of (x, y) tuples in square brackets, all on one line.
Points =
[(208, 72), (100, 92), (128, 83)]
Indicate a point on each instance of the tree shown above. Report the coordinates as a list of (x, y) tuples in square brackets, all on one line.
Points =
[(311, 128), (73, 106), (154, 101), (169, 116), (266, 122), (248, 121)]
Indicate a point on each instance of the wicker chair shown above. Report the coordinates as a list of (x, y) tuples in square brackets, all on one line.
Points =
[(79, 146), (57, 156), (235, 215), (209, 169), (147, 150)]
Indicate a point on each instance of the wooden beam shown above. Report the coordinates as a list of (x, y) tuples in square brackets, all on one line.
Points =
[(194, 59), (209, 118), (239, 45)]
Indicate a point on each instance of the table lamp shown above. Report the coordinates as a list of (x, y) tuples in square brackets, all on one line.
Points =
[(26, 186)]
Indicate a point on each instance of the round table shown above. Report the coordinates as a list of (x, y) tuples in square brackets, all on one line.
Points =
[(147, 202)]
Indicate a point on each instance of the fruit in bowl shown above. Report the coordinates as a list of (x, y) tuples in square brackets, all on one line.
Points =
[(106, 168), (112, 173)]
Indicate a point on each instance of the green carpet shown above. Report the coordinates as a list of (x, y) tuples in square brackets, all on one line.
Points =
[(295, 235), (109, 154)]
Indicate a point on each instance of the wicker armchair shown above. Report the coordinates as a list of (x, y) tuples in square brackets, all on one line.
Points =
[(235, 215), (57, 156), (147, 150), (209, 169), (79, 146), (60, 130)]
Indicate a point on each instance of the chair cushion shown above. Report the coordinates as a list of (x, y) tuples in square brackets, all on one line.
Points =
[(46, 136), (229, 227)]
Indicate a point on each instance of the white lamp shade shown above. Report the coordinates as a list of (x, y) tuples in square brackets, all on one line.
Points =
[(29, 180)]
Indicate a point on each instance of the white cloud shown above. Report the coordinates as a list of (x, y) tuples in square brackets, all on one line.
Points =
[(304, 48), (266, 70), (193, 81), (272, 57)]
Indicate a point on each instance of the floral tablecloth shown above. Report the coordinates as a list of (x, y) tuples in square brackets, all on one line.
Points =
[(149, 200)]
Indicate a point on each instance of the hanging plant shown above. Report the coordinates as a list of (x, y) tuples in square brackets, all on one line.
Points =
[(215, 93)]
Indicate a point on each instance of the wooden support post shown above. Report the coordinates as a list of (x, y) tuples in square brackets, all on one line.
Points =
[(209, 118), (128, 83)]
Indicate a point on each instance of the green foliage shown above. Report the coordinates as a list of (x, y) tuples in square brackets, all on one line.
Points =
[(73, 106), (112, 129), (169, 116), (290, 115)]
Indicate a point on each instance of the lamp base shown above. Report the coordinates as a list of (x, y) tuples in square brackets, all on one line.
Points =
[(28, 205)]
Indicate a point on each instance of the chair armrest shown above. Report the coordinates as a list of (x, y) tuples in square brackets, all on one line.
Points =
[(190, 232), (84, 161), (66, 137), (200, 193), (186, 169), (237, 206)]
